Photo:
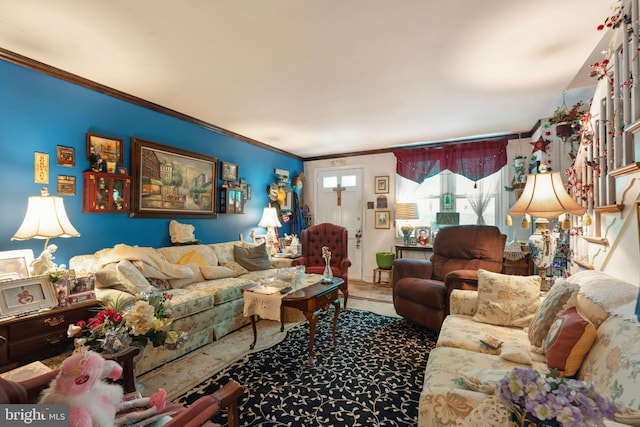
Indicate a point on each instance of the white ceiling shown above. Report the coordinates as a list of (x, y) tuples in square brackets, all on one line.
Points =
[(324, 77)]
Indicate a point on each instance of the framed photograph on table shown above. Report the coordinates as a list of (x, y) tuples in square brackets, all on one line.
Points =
[(382, 219), (26, 295), (15, 264), (161, 191), (381, 184)]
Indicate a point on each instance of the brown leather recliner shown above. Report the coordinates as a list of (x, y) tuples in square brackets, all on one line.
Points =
[(337, 239), (421, 288)]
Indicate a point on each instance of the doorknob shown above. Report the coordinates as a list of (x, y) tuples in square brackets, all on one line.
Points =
[(358, 237)]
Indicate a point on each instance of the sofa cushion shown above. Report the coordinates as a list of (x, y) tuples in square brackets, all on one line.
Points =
[(252, 258), (212, 272), (107, 276), (562, 296), (460, 331), (507, 300), (224, 252), (192, 257), (223, 290), (613, 362), (174, 253), (569, 340), (193, 260), (132, 279)]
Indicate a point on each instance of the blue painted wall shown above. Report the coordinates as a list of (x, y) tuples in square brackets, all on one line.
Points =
[(39, 112)]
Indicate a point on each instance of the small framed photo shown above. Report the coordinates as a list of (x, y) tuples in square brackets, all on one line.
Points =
[(15, 264), (122, 171), (81, 284), (382, 219), (109, 149), (423, 235), (66, 185), (381, 185), (65, 156), (228, 171), (259, 238), (248, 191), (26, 295)]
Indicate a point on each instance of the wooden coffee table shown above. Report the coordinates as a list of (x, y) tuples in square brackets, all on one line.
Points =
[(310, 300)]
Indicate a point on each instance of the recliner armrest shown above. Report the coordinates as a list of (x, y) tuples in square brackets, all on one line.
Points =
[(408, 267), (461, 279)]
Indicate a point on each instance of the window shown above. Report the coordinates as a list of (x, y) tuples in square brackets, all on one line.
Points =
[(464, 196)]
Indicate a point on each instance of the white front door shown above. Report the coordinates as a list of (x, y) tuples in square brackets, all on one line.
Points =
[(339, 200)]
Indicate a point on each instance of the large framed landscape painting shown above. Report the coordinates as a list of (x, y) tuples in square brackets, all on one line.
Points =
[(170, 182)]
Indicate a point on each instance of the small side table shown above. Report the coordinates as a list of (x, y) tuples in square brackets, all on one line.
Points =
[(377, 276)]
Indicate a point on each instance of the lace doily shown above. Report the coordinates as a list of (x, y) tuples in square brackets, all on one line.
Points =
[(265, 306), (513, 251), (490, 413)]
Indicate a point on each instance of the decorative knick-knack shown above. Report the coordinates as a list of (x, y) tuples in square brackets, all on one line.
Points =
[(327, 276)]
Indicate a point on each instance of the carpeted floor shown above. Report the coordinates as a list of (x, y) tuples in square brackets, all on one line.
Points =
[(186, 372), (369, 379)]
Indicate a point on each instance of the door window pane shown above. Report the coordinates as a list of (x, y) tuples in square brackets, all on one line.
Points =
[(349, 181), (330, 182)]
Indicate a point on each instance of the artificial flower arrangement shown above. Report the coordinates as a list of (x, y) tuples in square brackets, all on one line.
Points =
[(551, 400), (113, 328)]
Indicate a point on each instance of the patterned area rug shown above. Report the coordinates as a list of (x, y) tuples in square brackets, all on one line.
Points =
[(372, 378)]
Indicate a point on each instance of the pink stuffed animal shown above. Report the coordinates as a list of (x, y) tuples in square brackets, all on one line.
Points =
[(92, 402)]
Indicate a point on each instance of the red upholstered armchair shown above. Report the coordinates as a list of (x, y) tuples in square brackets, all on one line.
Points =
[(336, 238), (421, 288)]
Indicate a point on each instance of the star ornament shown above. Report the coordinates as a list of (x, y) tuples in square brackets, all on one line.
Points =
[(540, 145)]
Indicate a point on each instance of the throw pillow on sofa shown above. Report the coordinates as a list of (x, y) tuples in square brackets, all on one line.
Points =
[(213, 272), (507, 300), (570, 338), (253, 258), (132, 279), (191, 257), (561, 297)]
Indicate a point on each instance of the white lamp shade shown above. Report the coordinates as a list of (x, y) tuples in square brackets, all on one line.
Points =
[(545, 196), (407, 211), (45, 218), (269, 218)]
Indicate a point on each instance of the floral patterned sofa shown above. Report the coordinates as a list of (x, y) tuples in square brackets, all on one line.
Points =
[(206, 300), (462, 370)]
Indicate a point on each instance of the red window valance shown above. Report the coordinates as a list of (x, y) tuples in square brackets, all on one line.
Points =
[(474, 160)]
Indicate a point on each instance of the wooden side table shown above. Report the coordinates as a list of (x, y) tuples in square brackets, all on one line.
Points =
[(39, 335)]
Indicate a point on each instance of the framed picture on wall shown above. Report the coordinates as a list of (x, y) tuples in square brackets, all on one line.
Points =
[(169, 182), (382, 219), (110, 149), (65, 156), (228, 171), (381, 184), (66, 185)]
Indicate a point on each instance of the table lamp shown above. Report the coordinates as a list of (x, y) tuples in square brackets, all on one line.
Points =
[(270, 220), (46, 218), (405, 212), (544, 196)]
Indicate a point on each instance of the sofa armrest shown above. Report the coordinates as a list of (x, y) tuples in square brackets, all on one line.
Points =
[(463, 302), (408, 267)]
